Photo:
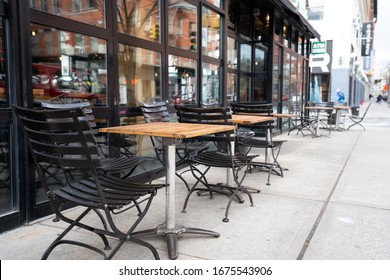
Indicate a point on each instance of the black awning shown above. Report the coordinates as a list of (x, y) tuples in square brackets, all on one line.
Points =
[(291, 10)]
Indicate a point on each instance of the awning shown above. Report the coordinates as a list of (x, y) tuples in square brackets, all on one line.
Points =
[(292, 11)]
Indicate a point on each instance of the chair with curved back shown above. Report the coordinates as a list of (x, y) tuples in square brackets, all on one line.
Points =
[(264, 139), (157, 111), (126, 164), (237, 163), (57, 137), (357, 120)]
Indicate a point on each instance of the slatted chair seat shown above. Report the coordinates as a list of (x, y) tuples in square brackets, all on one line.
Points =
[(100, 194), (221, 157)]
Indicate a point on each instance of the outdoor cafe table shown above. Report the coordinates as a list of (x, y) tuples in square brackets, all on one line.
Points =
[(317, 109), (171, 133)]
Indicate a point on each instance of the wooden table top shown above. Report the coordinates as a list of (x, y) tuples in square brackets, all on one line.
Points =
[(169, 129), (319, 108), (342, 107), (250, 119)]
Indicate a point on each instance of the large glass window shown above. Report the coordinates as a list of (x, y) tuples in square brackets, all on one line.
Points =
[(4, 100), (6, 192), (245, 20), (232, 14), (68, 65), (90, 13), (245, 89), (246, 58), (215, 2), (210, 83), (315, 9), (232, 52), (211, 33), (139, 75), (260, 59), (182, 25), (182, 80), (231, 87), (140, 18)]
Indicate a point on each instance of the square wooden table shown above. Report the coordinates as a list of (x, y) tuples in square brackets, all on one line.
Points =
[(171, 133)]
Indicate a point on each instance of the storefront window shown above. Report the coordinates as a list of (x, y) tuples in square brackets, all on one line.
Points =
[(232, 49), (182, 25), (210, 83), (139, 75), (260, 59), (232, 17), (89, 12), (6, 192), (231, 87), (245, 89), (182, 80), (246, 58), (261, 25), (211, 33), (286, 35), (259, 90), (215, 2), (245, 19), (4, 100), (68, 65), (140, 18)]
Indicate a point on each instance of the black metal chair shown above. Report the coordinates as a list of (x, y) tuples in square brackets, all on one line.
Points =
[(300, 122), (357, 120), (123, 165), (220, 157), (157, 111), (57, 137), (263, 139)]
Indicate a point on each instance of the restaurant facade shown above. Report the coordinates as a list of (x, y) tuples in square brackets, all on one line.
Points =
[(116, 54)]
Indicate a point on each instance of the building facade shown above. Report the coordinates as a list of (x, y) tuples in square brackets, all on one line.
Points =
[(117, 53), (347, 34)]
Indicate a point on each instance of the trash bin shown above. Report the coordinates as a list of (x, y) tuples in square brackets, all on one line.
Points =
[(355, 110)]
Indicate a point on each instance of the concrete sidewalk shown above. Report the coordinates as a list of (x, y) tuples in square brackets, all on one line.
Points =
[(332, 204)]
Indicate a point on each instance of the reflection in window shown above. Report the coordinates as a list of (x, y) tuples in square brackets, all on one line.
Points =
[(245, 89), (232, 48), (139, 18), (215, 2), (260, 59), (4, 102), (231, 87), (6, 193), (182, 25), (210, 83), (211, 33), (259, 90), (139, 75), (182, 80), (245, 19), (246, 58), (92, 13), (232, 10), (68, 65)]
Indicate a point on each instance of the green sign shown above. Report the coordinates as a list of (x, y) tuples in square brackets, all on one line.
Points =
[(318, 48)]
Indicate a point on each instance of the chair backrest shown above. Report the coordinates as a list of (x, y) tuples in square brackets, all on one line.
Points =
[(260, 109), (214, 115), (84, 106), (265, 109), (365, 112), (58, 138), (155, 111), (294, 107)]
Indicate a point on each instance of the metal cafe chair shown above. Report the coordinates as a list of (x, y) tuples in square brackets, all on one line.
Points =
[(357, 120), (263, 138), (123, 165), (220, 157), (57, 137), (301, 122), (156, 111)]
